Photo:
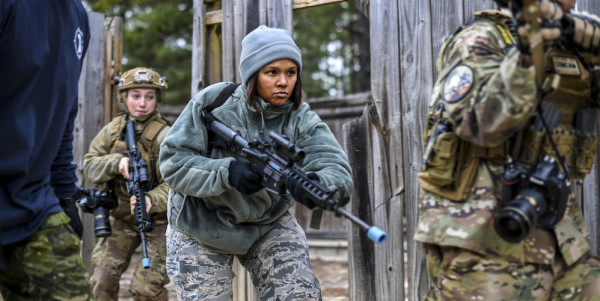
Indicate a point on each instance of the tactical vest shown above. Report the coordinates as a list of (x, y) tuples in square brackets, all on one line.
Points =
[(145, 141), (568, 85)]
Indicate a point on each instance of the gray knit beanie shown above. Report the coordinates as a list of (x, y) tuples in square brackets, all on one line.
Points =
[(264, 45)]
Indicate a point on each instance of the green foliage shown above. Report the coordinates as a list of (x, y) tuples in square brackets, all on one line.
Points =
[(156, 34), (334, 40)]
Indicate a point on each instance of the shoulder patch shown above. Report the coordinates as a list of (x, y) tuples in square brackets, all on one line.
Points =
[(457, 84)]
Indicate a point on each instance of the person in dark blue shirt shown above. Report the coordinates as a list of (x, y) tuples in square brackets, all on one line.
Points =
[(42, 46)]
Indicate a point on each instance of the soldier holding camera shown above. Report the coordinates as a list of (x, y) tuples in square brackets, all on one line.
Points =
[(107, 161), (509, 131)]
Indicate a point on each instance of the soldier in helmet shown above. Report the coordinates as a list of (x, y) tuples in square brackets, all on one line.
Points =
[(140, 90), (510, 130)]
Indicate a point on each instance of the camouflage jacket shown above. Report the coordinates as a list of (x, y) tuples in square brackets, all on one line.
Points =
[(488, 98), (101, 164)]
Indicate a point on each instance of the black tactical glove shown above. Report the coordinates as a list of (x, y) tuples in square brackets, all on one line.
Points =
[(68, 206), (243, 178), (298, 193), (582, 30)]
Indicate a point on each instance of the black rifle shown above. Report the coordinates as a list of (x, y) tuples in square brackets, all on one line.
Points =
[(275, 162), (137, 185)]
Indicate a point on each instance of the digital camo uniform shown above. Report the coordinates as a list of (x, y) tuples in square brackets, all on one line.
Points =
[(112, 253), (480, 99), (210, 219), (279, 245)]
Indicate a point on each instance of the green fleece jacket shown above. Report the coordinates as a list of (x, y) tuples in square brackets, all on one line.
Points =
[(203, 204)]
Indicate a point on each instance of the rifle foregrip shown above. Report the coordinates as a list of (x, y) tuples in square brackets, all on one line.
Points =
[(317, 192), (228, 135)]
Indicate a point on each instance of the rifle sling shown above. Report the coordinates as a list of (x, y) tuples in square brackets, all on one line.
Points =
[(219, 100)]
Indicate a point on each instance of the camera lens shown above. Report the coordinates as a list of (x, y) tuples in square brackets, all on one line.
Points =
[(513, 223), (101, 222)]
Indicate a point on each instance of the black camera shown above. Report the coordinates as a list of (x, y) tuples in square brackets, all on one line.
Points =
[(532, 196), (99, 203)]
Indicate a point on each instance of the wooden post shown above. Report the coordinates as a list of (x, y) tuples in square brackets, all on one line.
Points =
[(279, 14), (198, 48), (591, 189), (89, 121), (113, 54)]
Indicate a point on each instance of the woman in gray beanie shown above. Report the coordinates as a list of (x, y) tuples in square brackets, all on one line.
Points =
[(218, 208)]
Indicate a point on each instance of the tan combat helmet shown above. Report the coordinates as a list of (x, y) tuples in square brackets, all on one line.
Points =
[(141, 77)]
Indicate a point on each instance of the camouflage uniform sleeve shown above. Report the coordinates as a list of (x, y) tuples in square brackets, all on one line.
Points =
[(158, 198), (500, 96), (99, 165), (160, 194)]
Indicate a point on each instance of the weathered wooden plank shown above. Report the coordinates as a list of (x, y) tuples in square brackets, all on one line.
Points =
[(299, 4), (214, 55), (417, 76), (279, 14), (591, 189), (228, 40), (252, 15), (358, 99), (387, 147), (89, 121), (198, 50), (361, 251), (113, 54), (238, 36), (213, 17)]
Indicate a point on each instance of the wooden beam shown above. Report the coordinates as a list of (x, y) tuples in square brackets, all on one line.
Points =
[(299, 4), (216, 16), (213, 17), (89, 119), (113, 54)]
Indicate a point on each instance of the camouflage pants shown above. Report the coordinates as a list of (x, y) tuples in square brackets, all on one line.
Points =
[(278, 264), (46, 265), (459, 274), (112, 255)]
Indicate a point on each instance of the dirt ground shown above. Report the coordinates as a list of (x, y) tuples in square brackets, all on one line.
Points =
[(333, 276)]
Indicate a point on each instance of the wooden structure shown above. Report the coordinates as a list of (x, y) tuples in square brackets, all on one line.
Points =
[(96, 94), (384, 144), (381, 130)]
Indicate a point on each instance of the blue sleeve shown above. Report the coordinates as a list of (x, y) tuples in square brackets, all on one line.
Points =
[(63, 176), (63, 170), (6, 12)]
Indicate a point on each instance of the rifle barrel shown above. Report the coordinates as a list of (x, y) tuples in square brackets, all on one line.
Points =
[(374, 233)]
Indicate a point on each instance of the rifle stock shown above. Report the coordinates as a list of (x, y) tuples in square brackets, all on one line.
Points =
[(275, 162), (137, 185)]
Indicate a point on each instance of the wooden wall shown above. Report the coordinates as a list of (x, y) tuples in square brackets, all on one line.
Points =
[(98, 101), (90, 118), (385, 143), (381, 130)]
